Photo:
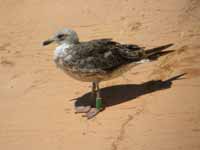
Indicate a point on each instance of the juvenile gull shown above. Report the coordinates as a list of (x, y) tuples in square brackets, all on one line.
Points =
[(97, 60)]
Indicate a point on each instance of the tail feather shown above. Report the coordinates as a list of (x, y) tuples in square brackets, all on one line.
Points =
[(154, 53), (157, 55)]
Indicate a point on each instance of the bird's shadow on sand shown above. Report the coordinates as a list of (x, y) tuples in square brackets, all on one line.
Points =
[(117, 94)]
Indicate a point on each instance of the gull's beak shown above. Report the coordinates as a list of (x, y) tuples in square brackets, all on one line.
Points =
[(47, 42)]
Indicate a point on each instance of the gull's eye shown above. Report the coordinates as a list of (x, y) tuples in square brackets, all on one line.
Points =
[(61, 36)]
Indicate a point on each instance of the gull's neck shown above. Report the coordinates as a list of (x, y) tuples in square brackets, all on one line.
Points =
[(60, 50), (64, 45)]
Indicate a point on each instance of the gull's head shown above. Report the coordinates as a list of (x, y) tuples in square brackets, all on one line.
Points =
[(67, 36)]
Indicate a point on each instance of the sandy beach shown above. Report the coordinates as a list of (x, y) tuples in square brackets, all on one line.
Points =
[(149, 107)]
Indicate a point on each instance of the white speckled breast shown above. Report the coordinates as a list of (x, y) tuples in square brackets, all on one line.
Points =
[(60, 51)]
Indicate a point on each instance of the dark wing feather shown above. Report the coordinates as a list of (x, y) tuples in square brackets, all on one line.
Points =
[(103, 54)]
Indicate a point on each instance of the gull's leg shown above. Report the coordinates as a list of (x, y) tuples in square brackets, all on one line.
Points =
[(85, 109), (94, 87), (98, 98), (94, 111)]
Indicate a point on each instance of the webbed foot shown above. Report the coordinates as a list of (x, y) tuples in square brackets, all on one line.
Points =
[(92, 113), (82, 109)]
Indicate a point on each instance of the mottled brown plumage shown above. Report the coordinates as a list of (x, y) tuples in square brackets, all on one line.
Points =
[(97, 60)]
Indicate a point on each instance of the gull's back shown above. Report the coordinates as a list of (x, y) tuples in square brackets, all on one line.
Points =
[(98, 59)]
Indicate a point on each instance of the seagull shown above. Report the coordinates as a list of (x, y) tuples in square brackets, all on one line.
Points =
[(96, 61)]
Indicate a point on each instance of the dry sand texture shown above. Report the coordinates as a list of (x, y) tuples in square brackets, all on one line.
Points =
[(36, 112)]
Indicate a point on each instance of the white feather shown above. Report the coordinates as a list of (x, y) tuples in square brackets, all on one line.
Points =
[(60, 51)]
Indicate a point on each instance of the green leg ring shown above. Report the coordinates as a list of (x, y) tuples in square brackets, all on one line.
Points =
[(98, 103)]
